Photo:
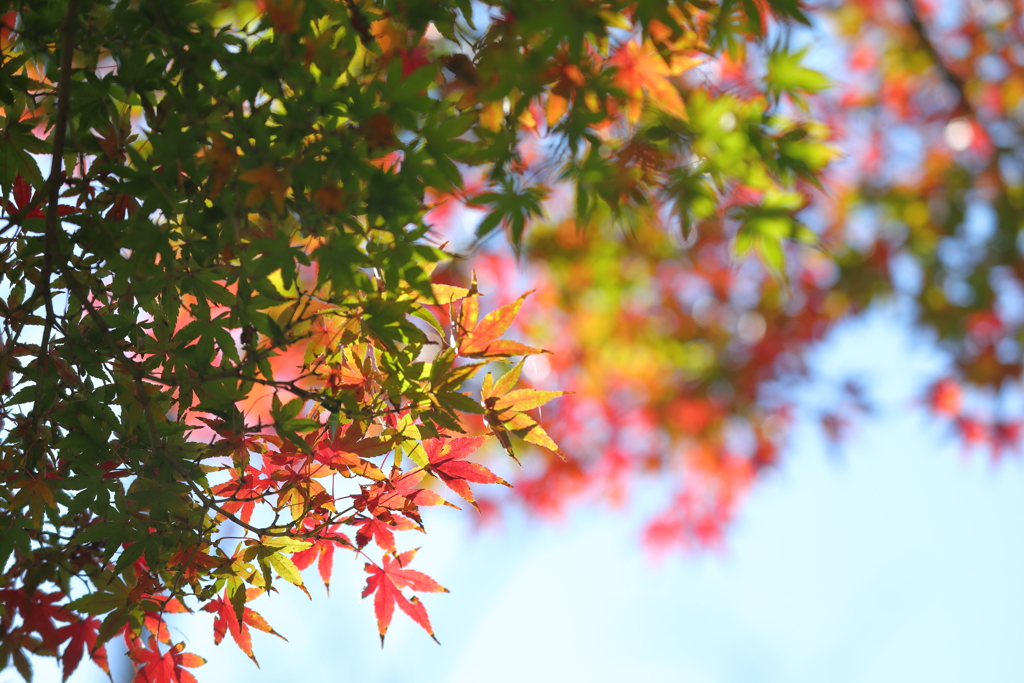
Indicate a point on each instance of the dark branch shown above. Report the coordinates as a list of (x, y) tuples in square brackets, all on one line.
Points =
[(51, 245), (957, 83)]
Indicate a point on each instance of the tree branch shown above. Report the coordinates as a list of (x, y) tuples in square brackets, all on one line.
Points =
[(914, 19), (51, 245)]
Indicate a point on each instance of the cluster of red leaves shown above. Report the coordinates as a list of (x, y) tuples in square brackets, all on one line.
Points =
[(291, 473), (36, 623)]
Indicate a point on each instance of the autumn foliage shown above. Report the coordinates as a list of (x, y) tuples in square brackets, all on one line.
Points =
[(245, 331)]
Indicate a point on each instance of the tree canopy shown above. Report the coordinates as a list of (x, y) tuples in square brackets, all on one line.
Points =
[(245, 328)]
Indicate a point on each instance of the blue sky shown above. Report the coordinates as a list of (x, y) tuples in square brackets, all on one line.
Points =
[(894, 558)]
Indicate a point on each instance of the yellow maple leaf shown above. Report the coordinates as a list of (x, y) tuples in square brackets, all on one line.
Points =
[(492, 115)]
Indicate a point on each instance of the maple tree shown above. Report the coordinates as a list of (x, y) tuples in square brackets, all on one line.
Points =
[(242, 334)]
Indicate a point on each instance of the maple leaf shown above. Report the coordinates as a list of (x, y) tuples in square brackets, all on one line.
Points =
[(324, 548), (512, 208), (155, 623), (81, 637), (413, 59), (329, 199), (400, 494), (24, 196), (226, 621), (268, 181), (447, 463), (492, 116), (479, 338), (388, 581), (381, 529), (379, 133), (1005, 436), (348, 447), (568, 77), (641, 70), (945, 397), (38, 612), (284, 15), (463, 68), (505, 411), (190, 561), (168, 667), (242, 493), (223, 158), (972, 431), (238, 443)]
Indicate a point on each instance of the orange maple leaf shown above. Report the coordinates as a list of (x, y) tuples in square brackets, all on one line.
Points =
[(348, 446), (329, 199), (268, 181), (479, 338), (568, 77), (641, 70)]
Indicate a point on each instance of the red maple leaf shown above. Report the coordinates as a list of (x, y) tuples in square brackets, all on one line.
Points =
[(414, 58), (242, 493), (168, 667), (447, 463), (24, 196), (349, 446), (226, 621), (81, 637), (972, 431), (324, 548), (400, 494), (388, 581), (38, 613), (381, 529)]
